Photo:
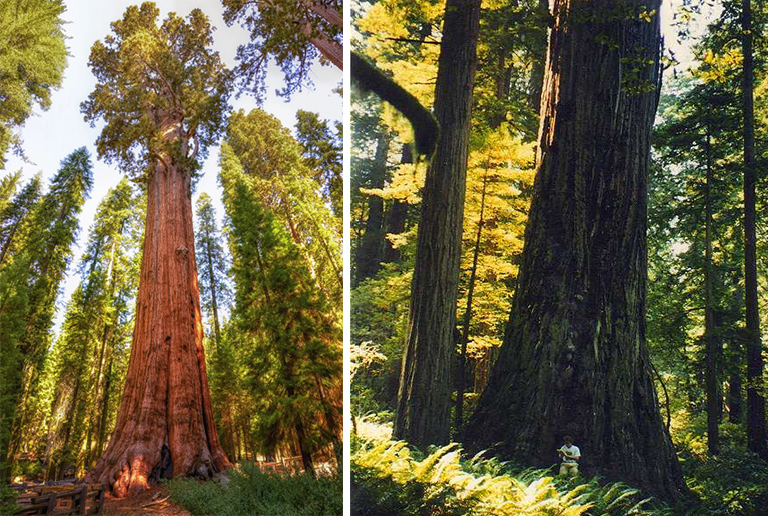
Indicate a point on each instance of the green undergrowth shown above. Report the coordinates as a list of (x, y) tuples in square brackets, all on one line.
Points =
[(732, 483), (7, 500), (388, 478), (249, 491)]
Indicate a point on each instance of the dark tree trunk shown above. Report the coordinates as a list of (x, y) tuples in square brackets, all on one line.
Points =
[(422, 414), (574, 358), (214, 301), (756, 431), (710, 337), (735, 399), (105, 408), (370, 250), (165, 423), (537, 71), (397, 216), (462, 367)]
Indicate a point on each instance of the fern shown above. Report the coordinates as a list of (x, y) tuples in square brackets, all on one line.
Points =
[(481, 486)]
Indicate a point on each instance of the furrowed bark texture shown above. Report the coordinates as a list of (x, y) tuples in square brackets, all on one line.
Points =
[(422, 416), (574, 358), (756, 429), (165, 423)]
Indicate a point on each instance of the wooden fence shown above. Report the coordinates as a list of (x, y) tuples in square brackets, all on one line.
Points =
[(62, 500)]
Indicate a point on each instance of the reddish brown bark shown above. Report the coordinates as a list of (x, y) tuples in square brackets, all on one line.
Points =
[(165, 423)]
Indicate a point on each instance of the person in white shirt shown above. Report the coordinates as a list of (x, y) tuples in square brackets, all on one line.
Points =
[(570, 454)]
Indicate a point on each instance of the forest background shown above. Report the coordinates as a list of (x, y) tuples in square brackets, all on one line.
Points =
[(71, 240), (697, 335)]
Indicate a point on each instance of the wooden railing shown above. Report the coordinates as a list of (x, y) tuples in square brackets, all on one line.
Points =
[(61, 500)]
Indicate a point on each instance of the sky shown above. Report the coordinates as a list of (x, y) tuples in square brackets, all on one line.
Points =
[(49, 136)]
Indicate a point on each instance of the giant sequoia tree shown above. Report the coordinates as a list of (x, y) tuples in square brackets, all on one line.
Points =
[(422, 416), (162, 93), (574, 358)]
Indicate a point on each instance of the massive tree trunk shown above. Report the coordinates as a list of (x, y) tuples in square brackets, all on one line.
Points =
[(574, 358), (422, 415), (165, 423), (756, 431)]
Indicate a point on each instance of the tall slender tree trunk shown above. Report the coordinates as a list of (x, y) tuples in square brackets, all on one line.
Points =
[(370, 251), (397, 216), (165, 423), (756, 431), (462, 369), (712, 352), (214, 302), (422, 414), (574, 358), (104, 408), (735, 400)]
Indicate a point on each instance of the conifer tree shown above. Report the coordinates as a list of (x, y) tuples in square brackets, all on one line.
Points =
[(294, 346), (292, 33), (321, 150), (14, 215), (162, 92), (211, 263), (574, 360), (30, 283), (272, 158), (8, 186), (87, 342), (422, 416), (32, 61)]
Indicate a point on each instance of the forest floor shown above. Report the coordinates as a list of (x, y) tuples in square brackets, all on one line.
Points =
[(151, 502)]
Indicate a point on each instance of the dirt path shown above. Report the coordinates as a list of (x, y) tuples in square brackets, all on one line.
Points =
[(148, 503)]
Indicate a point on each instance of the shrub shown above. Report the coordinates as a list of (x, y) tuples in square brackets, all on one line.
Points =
[(250, 491)]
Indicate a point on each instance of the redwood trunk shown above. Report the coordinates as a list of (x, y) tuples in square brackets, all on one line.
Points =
[(165, 423), (574, 358), (422, 414), (330, 49), (756, 431)]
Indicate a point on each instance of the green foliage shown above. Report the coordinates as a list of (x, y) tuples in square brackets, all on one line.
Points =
[(29, 283), (8, 503), (294, 346), (388, 476), (322, 153), (32, 62), (211, 264), (277, 32), (159, 88), (272, 159), (250, 491), (77, 399)]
